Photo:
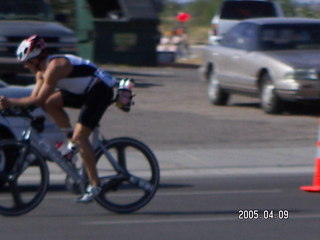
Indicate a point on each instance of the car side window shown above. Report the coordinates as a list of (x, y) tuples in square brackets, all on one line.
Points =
[(231, 38), (240, 36), (248, 37)]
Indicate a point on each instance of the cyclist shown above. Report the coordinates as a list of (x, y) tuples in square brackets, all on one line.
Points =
[(67, 81)]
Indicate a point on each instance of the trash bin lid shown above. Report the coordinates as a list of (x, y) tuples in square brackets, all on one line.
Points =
[(139, 9)]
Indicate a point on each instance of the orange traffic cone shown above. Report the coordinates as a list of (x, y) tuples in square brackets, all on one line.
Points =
[(316, 178)]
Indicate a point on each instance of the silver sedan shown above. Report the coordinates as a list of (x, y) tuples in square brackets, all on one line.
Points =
[(276, 59)]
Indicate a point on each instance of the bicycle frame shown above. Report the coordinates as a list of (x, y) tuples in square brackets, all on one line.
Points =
[(33, 147), (98, 142)]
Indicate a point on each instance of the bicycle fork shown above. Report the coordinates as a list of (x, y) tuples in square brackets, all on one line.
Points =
[(21, 164)]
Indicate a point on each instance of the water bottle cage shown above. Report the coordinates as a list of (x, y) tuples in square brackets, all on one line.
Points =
[(124, 99)]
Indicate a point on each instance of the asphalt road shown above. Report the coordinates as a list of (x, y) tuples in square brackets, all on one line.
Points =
[(215, 161), (208, 208)]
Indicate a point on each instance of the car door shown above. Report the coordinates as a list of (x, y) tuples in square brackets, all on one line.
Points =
[(223, 58), (238, 66), (244, 62)]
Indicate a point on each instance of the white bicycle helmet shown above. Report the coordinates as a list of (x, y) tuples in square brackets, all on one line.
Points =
[(30, 48)]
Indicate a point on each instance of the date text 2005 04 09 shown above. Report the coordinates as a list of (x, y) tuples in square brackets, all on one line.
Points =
[(263, 214)]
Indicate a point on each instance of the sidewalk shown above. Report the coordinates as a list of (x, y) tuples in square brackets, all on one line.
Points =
[(221, 162)]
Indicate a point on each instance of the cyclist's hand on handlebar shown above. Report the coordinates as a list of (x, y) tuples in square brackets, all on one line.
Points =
[(4, 102)]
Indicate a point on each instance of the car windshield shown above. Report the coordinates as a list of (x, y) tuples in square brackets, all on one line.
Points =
[(243, 10), (293, 36), (2, 84), (25, 9)]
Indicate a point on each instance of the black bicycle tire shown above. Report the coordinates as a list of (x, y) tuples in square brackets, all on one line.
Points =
[(44, 183), (155, 178), (7, 166)]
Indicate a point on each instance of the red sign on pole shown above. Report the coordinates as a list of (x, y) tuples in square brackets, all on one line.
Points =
[(183, 17)]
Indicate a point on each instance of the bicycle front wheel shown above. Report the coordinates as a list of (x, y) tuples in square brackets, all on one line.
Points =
[(135, 186), (24, 180)]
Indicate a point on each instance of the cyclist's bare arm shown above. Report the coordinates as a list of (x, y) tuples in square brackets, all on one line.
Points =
[(58, 68), (39, 82)]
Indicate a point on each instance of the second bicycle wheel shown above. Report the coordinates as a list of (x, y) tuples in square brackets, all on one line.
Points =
[(132, 190), (24, 180)]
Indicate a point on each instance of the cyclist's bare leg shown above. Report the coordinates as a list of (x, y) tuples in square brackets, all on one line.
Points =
[(54, 106), (81, 137)]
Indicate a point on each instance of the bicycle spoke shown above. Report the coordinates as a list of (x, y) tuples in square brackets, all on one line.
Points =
[(16, 194), (113, 184), (122, 157), (141, 183)]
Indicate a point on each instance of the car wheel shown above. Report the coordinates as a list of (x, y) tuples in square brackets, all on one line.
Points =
[(2, 158), (216, 94), (4, 165), (2, 162), (270, 102)]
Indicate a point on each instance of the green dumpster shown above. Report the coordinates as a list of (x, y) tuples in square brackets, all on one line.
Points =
[(124, 31)]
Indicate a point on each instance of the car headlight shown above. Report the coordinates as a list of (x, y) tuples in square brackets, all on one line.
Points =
[(303, 74)]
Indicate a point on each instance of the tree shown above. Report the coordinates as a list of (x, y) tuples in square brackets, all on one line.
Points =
[(288, 7), (202, 10)]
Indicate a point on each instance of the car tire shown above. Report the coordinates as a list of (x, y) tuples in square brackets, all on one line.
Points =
[(270, 102), (2, 158), (2, 162), (216, 94), (4, 166)]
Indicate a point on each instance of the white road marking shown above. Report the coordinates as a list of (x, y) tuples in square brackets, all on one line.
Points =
[(197, 220), (181, 193)]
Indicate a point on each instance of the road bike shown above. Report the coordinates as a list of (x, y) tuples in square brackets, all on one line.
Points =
[(128, 170)]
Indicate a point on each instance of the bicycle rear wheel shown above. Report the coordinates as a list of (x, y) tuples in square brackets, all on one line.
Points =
[(24, 183), (129, 191)]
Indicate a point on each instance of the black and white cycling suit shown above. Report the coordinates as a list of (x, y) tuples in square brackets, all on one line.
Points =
[(87, 87)]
